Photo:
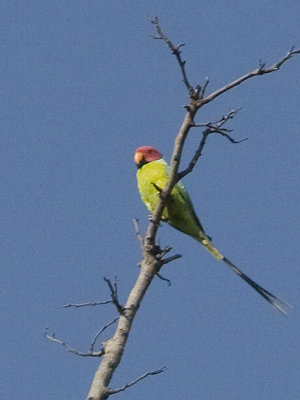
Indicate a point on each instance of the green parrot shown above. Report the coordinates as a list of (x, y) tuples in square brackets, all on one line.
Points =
[(152, 175)]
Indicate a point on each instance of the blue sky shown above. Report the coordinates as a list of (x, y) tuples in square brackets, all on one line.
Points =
[(83, 85)]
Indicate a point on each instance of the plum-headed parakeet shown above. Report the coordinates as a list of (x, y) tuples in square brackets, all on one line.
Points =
[(152, 175)]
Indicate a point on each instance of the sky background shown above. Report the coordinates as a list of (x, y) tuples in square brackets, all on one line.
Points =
[(82, 86)]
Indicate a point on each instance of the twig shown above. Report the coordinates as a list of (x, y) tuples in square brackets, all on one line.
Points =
[(137, 231), (220, 122), (211, 127), (128, 385), (194, 160), (171, 258), (176, 51), (261, 70), (163, 252), (91, 349), (203, 89), (162, 261), (71, 349), (88, 304), (114, 294)]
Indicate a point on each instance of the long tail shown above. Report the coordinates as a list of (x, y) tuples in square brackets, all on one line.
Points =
[(275, 301)]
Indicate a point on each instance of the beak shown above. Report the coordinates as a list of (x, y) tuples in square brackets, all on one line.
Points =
[(138, 157)]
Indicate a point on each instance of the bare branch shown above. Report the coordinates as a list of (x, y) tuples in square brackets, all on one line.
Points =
[(88, 304), (220, 122), (71, 349), (197, 155), (163, 252), (171, 258), (211, 127), (167, 261), (289, 54), (261, 70), (176, 51), (91, 349), (222, 132), (114, 294), (128, 385), (203, 89), (137, 231)]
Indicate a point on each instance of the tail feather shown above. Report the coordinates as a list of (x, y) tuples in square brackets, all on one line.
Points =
[(275, 301), (213, 251)]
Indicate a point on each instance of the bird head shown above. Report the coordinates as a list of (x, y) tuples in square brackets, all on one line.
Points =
[(146, 154)]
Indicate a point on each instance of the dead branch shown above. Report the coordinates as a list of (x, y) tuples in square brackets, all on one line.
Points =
[(211, 127), (87, 304), (203, 89), (176, 51), (114, 298), (91, 349), (128, 385), (71, 349), (171, 258), (114, 294), (261, 70), (137, 232)]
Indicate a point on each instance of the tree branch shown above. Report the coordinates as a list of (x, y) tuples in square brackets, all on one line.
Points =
[(87, 304), (137, 232), (175, 50), (114, 294), (261, 70), (71, 349), (211, 127), (114, 347), (128, 385), (91, 349)]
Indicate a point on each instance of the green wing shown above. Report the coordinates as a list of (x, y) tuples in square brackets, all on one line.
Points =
[(182, 215), (179, 211)]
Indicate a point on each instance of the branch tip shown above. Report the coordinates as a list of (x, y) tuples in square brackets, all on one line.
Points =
[(261, 70), (137, 231), (87, 304), (128, 385), (174, 50), (52, 338), (113, 286), (91, 349), (210, 127)]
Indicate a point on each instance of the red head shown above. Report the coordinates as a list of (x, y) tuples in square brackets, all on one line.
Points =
[(146, 154)]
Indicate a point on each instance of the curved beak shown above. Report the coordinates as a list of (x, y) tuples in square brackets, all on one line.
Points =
[(138, 157)]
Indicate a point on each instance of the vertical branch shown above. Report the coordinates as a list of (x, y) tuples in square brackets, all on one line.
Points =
[(114, 347)]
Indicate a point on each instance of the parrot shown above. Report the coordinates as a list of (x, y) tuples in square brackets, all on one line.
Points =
[(152, 175)]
